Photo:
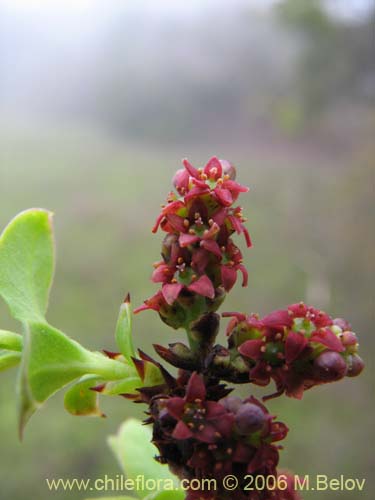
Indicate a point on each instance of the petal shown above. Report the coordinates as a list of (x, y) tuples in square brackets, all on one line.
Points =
[(278, 431), (162, 274), (224, 196), (327, 338), (213, 168), (171, 291), (212, 246), (154, 303), (236, 223), (224, 425), (187, 239), (294, 345), (215, 410), (175, 407), (189, 167), (259, 375), (181, 180), (219, 216), (157, 223), (208, 434), (294, 385), (228, 277), (245, 275), (234, 187), (200, 260), (195, 192), (203, 286), (251, 348), (182, 431), (176, 222), (277, 319), (195, 389), (247, 237), (298, 310), (210, 233)]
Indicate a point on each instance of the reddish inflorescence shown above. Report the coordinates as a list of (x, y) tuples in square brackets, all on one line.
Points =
[(200, 430), (203, 438), (298, 347), (199, 258)]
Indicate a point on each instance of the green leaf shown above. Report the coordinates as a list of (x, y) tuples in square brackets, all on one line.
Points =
[(10, 341), (152, 375), (27, 264), (51, 360), (81, 400), (124, 330), (126, 386), (9, 359), (135, 453)]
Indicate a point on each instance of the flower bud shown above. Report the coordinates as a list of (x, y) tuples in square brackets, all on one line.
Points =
[(228, 169), (330, 366), (355, 365), (349, 339), (342, 323), (249, 418), (181, 181), (231, 403)]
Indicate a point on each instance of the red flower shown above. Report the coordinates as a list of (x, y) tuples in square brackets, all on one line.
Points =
[(206, 421), (232, 263), (199, 256), (286, 346)]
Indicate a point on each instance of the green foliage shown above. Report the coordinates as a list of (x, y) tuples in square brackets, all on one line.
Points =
[(10, 349), (124, 330), (10, 341), (80, 399), (27, 264), (135, 453), (9, 359), (50, 359)]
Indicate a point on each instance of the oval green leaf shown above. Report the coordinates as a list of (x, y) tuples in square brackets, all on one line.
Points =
[(27, 264)]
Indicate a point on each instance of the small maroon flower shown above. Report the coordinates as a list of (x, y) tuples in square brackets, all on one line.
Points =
[(298, 347), (232, 263), (196, 417), (199, 257), (216, 177)]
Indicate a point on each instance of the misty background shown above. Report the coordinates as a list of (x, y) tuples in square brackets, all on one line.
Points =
[(99, 102)]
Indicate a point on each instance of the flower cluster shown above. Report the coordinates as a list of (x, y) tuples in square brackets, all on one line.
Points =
[(298, 347), (200, 437), (200, 430), (199, 259)]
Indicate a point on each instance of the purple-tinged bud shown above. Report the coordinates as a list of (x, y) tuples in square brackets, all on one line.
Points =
[(249, 418), (231, 403), (342, 323), (355, 365), (330, 366), (228, 169), (349, 339)]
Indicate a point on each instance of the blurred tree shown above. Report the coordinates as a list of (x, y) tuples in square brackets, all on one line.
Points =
[(335, 61)]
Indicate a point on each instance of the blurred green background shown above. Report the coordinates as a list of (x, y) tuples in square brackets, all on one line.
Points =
[(100, 100)]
